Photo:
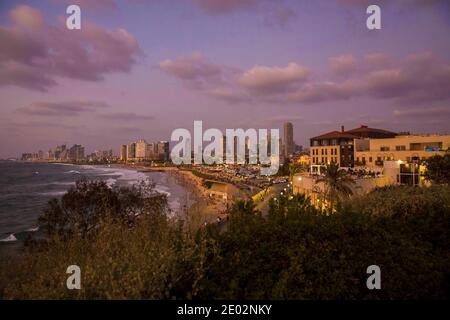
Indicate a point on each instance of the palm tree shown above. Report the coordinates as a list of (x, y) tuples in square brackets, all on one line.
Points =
[(246, 207), (337, 184), (293, 170)]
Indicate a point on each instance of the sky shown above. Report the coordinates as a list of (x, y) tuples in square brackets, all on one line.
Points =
[(141, 69)]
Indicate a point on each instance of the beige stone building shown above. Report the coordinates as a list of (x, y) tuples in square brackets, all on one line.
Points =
[(408, 148)]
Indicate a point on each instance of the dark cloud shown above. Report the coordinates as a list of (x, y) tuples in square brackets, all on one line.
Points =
[(96, 5), (61, 109), (126, 116), (218, 7), (403, 3), (442, 112), (37, 53)]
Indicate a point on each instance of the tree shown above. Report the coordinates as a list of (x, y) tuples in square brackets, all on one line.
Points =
[(244, 207), (337, 184), (84, 207), (293, 170), (438, 169)]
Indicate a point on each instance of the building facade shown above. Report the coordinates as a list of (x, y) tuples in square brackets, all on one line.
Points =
[(339, 146), (410, 148), (288, 139)]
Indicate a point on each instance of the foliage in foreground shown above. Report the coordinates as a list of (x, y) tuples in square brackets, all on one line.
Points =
[(295, 252)]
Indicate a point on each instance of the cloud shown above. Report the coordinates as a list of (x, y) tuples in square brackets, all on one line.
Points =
[(402, 3), (419, 78), (126, 116), (27, 17), (324, 91), (416, 79), (94, 5), (266, 80), (219, 7), (342, 65), (197, 73), (424, 112), (61, 109), (190, 67), (39, 53)]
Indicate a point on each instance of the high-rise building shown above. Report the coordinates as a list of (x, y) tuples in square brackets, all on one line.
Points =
[(123, 152), (76, 153), (141, 150), (162, 150), (59, 150), (288, 139), (131, 151), (151, 152)]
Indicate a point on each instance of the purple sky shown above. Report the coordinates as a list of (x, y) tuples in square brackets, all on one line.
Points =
[(143, 68)]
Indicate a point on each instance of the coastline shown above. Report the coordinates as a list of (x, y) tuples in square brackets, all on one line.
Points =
[(203, 209)]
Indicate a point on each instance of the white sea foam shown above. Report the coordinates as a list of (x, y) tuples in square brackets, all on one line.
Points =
[(110, 182), (73, 171), (32, 229), (69, 183), (53, 193), (9, 238)]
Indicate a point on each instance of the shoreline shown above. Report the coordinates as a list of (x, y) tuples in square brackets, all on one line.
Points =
[(203, 209)]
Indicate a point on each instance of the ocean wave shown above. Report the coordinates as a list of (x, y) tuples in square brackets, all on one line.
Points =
[(32, 229), (74, 171), (69, 183), (110, 182), (9, 238), (53, 193)]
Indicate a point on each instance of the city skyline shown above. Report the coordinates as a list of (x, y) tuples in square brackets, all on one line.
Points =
[(145, 69)]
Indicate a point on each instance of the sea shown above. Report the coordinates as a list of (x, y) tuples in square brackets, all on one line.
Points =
[(26, 188)]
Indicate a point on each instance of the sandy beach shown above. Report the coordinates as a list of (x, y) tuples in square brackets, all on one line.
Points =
[(204, 209)]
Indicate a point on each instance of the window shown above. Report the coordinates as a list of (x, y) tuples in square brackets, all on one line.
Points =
[(370, 159), (400, 148), (315, 143), (326, 152), (334, 142), (384, 148)]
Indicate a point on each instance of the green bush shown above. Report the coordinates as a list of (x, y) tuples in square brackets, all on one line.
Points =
[(295, 252)]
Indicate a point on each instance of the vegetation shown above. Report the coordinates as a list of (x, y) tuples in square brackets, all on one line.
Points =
[(337, 185), (295, 252), (438, 169)]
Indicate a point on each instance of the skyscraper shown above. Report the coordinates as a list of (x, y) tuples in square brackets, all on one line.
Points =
[(123, 152), (76, 153), (141, 150), (131, 151), (288, 139)]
